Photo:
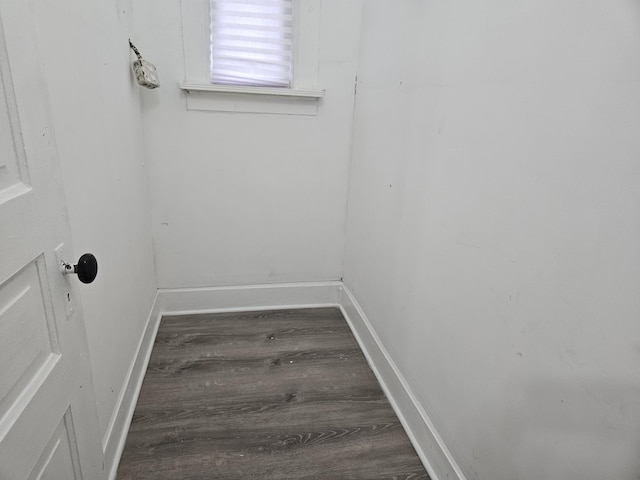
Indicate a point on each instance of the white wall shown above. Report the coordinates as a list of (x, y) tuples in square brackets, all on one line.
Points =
[(241, 198), (493, 229), (96, 111)]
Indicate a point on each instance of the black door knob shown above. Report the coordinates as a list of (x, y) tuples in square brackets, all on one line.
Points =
[(87, 268)]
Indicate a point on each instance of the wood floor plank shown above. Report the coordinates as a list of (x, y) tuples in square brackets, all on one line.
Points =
[(270, 395)]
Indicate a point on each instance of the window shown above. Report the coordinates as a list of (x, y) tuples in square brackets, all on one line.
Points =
[(251, 42), (293, 92)]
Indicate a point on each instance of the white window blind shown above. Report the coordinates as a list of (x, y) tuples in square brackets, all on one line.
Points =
[(251, 42)]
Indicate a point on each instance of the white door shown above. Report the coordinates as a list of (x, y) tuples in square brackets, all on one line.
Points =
[(48, 420)]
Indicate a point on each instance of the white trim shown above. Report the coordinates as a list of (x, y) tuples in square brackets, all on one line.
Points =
[(428, 444), (248, 297), (116, 434), (278, 92), (216, 98)]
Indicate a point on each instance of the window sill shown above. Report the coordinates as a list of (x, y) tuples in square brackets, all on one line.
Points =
[(280, 92), (229, 98)]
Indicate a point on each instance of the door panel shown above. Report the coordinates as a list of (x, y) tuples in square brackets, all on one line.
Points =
[(60, 458), (27, 332), (13, 170), (48, 419)]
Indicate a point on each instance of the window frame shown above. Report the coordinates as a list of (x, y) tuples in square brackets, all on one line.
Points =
[(300, 99)]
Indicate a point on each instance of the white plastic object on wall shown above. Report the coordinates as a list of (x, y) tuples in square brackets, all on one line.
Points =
[(145, 72)]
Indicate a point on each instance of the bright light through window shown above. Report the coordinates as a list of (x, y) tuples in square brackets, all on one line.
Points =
[(251, 42)]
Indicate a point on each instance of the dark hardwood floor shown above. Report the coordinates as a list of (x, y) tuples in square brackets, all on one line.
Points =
[(264, 395)]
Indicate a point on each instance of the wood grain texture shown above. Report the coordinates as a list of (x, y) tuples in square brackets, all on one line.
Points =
[(269, 395)]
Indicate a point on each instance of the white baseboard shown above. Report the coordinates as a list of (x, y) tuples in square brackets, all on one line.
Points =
[(428, 444), (248, 297), (421, 431), (116, 435)]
